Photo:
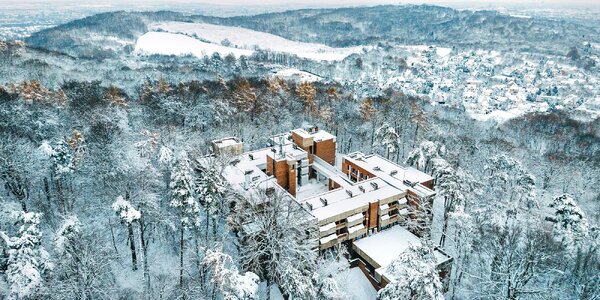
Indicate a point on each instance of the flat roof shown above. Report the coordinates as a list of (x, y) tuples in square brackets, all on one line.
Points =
[(320, 135), (382, 248), (392, 173)]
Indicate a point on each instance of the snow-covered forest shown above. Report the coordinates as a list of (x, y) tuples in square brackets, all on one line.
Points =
[(108, 189)]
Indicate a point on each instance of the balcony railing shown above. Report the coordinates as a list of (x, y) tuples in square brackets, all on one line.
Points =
[(387, 219)]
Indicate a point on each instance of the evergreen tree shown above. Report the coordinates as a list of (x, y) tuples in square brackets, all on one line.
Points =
[(28, 261)]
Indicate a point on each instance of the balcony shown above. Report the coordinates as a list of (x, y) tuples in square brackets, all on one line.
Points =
[(327, 229), (384, 209), (355, 219), (356, 231), (328, 241), (387, 220), (341, 225)]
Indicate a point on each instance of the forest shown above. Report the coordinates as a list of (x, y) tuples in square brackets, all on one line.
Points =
[(109, 189), (90, 175)]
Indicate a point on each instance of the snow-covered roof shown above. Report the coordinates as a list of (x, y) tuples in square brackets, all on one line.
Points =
[(382, 248), (392, 173), (386, 245), (348, 199), (228, 141)]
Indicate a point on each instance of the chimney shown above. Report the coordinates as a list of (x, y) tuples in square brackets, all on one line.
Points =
[(281, 147), (247, 179)]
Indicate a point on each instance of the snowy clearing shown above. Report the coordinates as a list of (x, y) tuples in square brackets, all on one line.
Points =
[(243, 38), (298, 75), (178, 44)]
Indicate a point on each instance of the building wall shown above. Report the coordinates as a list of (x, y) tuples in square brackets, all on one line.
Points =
[(279, 170), (428, 184), (291, 171), (333, 185), (303, 143), (373, 214), (326, 151), (346, 163)]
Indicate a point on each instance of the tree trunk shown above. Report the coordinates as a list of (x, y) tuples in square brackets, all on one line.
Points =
[(132, 247), (144, 248), (181, 245)]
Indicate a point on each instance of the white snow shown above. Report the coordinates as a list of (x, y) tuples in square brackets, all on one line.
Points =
[(125, 210), (178, 44), (328, 238), (356, 228), (355, 217), (243, 38), (356, 285), (327, 227), (298, 75), (386, 245)]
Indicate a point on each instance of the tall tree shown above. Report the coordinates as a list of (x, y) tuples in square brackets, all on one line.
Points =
[(28, 261), (274, 234), (184, 202)]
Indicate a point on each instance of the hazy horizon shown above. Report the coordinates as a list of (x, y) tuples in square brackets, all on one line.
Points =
[(525, 4)]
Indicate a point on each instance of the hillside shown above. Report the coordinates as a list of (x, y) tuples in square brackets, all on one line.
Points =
[(341, 27)]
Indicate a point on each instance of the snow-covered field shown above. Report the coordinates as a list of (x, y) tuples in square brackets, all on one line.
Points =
[(178, 44), (297, 75), (237, 38)]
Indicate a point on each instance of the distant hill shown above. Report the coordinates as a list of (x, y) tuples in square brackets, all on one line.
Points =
[(112, 33)]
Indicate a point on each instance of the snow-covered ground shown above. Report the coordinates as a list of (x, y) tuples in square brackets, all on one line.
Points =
[(297, 75), (178, 44), (356, 285), (243, 38)]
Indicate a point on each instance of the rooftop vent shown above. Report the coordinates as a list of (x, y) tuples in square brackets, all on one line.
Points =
[(309, 206), (377, 168), (349, 192), (374, 185), (324, 201), (251, 156), (361, 188), (394, 172), (273, 150), (409, 183), (235, 162)]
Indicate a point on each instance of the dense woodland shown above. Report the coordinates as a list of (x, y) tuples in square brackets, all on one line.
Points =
[(109, 190), (89, 174)]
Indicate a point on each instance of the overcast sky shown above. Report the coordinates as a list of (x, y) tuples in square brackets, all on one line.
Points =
[(235, 7), (536, 3)]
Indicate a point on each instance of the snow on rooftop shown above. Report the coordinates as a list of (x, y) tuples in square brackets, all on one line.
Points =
[(323, 135), (227, 142), (391, 173), (386, 245), (350, 203)]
